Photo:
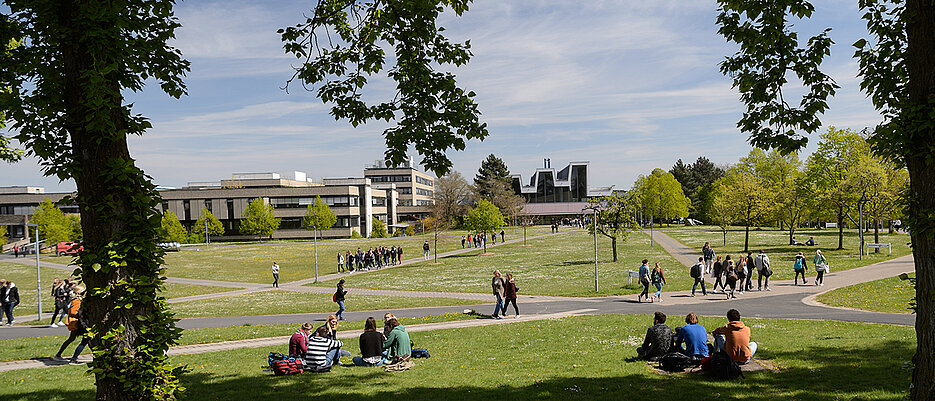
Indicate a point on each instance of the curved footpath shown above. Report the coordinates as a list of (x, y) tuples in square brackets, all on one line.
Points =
[(785, 301)]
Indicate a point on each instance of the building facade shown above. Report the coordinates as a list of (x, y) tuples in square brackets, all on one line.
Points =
[(553, 194), (416, 189)]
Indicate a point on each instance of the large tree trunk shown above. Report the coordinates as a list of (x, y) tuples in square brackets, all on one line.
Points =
[(876, 235), (920, 61), (840, 227), (121, 265)]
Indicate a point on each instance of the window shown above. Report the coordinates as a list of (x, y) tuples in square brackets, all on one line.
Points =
[(390, 178), (405, 202), (424, 203), (230, 208), (423, 192), (187, 206), (165, 207), (424, 181), (379, 201), (208, 205), (404, 191), (290, 203)]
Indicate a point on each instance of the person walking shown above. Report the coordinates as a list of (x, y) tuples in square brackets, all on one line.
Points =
[(800, 267), (9, 298), (510, 290), (60, 297), (742, 272), (761, 262), (77, 326), (821, 267), (340, 263), (708, 253), (751, 266), (697, 273), (659, 280), (275, 270), (425, 250), (718, 273), (644, 280), (16, 251), (339, 298), (498, 285), (463, 239), (502, 236), (731, 278)]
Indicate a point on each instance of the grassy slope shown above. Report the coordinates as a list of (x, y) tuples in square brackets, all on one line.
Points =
[(521, 362), (282, 302), (890, 295), (559, 265), (774, 242)]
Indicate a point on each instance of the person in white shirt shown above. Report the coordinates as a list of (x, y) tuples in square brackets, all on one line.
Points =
[(275, 275)]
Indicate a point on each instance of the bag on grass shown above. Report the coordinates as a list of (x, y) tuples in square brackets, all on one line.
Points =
[(675, 362), (420, 353), (399, 367), (284, 365), (722, 366)]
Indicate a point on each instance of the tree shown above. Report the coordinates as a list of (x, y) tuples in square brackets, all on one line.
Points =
[(451, 197), (615, 218), (379, 229), (896, 69), (54, 226), (3, 235), (432, 113), (318, 216), (744, 199), (661, 194), (207, 220), (696, 180), (781, 175), (492, 177), (172, 228), (259, 219), (723, 208), (64, 82), (484, 218), (879, 185)]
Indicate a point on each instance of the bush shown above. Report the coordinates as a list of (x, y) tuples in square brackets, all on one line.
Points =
[(355, 235)]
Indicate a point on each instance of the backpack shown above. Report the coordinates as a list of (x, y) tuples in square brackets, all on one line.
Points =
[(654, 276), (722, 366), (284, 365), (675, 362), (420, 353), (334, 297), (798, 264), (695, 271)]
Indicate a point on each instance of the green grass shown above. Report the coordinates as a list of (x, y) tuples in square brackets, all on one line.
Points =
[(24, 276), (559, 265), (890, 295), (283, 302), (583, 358), (47, 346), (781, 255), (176, 290), (250, 262)]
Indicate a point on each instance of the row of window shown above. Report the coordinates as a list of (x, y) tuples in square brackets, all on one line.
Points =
[(390, 178), (285, 203), (295, 223), (423, 192), (424, 181)]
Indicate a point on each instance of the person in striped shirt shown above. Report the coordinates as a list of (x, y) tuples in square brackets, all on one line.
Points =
[(322, 351)]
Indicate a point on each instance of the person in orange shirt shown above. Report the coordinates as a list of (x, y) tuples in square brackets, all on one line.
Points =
[(734, 339), (77, 325)]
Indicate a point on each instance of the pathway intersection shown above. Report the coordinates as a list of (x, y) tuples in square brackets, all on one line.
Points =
[(786, 301)]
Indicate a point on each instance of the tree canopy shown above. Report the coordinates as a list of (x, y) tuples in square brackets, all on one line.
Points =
[(259, 219), (615, 217), (214, 226), (696, 179), (172, 228), (318, 216), (484, 217), (54, 226), (492, 178), (660, 195)]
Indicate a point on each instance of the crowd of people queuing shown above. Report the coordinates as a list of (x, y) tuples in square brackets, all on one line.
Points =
[(319, 348), (692, 339), (374, 258), (480, 240)]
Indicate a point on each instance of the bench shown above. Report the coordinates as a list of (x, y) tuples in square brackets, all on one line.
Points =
[(831, 225), (889, 249), (632, 275)]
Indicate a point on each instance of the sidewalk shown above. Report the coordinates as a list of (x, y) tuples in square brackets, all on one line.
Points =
[(283, 341)]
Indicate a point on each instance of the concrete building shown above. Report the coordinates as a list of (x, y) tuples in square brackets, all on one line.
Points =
[(553, 195), (416, 189)]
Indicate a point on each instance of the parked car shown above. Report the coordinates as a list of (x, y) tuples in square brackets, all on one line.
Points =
[(170, 246), (68, 248)]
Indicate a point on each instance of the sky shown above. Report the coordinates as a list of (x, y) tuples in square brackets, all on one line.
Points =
[(627, 85)]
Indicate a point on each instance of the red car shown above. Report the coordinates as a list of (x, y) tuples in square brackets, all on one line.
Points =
[(68, 248)]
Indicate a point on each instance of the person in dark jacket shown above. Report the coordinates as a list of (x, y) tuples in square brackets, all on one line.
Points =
[(800, 267), (718, 273), (751, 266), (371, 345), (339, 298), (9, 298), (510, 294), (658, 341)]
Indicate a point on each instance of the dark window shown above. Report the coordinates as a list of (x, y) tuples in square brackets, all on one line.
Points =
[(208, 205), (165, 207), (230, 208), (187, 206)]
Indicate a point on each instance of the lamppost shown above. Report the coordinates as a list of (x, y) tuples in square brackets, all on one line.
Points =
[(38, 276), (207, 242), (594, 225), (651, 222), (860, 228), (315, 241)]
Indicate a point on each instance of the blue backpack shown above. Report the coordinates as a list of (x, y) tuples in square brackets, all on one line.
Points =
[(420, 353), (798, 266)]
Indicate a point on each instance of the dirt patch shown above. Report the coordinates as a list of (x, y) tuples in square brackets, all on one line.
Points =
[(756, 365)]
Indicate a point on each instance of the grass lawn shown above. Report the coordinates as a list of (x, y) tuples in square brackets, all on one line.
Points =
[(251, 262), (890, 295), (24, 276), (47, 346), (283, 302), (176, 290), (533, 360), (558, 265), (781, 255)]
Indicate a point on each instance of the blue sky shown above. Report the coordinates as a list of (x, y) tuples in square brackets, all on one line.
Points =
[(628, 85)]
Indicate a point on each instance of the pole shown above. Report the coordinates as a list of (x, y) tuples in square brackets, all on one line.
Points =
[(315, 239), (594, 223), (860, 228), (207, 243), (38, 277), (651, 226)]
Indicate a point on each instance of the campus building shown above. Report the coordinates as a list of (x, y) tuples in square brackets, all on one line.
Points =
[(416, 189), (552, 195)]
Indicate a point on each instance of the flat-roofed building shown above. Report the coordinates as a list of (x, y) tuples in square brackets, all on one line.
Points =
[(416, 189)]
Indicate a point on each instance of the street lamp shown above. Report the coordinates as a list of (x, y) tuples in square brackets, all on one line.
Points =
[(594, 224), (860, 228), (38, 276)]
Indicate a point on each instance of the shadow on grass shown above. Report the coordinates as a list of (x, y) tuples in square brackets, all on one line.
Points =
[(813, 373)]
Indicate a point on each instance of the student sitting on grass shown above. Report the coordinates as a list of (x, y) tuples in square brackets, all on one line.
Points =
[(397, 342), (734, 339), (322, 351), (298, 343), (692, 338), (658, 339), (331, 331), (371, 345)]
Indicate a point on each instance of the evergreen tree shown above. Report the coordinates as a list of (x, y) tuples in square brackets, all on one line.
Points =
[(492, 177), (259, 219), (697, 179)]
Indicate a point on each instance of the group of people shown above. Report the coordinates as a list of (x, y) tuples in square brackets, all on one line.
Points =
[(69, 296), (480, 240), (374, 258), (692, 339), (654, 276), (319, 348), (9, 298), (504, 289)]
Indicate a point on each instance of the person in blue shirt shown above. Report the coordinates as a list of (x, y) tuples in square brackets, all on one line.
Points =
[(644, 280), (692, 338)]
